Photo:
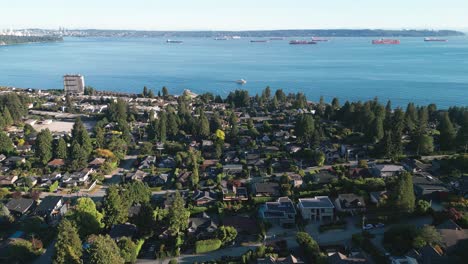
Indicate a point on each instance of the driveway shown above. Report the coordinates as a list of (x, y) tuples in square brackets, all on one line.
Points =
[(333, 237)]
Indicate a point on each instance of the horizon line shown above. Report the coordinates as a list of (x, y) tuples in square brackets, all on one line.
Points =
[(240, 30)]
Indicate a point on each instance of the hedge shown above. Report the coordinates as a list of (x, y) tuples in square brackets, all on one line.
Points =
[(208, 245)]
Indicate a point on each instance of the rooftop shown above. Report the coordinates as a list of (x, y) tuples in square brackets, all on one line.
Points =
[(317, 202)]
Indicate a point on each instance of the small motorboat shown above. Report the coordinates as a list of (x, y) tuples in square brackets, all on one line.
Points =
[(241, 81)]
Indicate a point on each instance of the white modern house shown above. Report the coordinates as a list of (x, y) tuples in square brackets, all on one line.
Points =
[(319, 208)]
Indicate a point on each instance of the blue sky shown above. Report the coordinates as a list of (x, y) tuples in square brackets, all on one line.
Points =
[(234, 14)]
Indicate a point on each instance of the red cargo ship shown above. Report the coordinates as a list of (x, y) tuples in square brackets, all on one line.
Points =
[(386, 41), (301, 42)]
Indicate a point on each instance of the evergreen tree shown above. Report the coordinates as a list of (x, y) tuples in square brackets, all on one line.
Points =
[(81, 136), (162, 127), (43, 146), (77, 156), (145, 92), (423, 119), (411, 117), (7, 119), (204, 126), (378, 127), (462, 135), (104, 250), (178, 215), (114, 208), (266, 94), (305, 128), (100, 137), (145, 220), (423, 144), (234, 127), (61, 149), (172, 124), (6, 144), (117, 111), (68, 249), (404, 194), (447, 133), (165, 91), (335, 103)]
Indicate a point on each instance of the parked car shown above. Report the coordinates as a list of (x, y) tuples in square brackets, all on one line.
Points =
[(379, 225), (368, 226)]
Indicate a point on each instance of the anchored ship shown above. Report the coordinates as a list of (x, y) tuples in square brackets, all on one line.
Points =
[(386, 41)]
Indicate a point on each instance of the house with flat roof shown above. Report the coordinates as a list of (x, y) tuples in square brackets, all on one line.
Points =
[(319, 208), (282, 211)]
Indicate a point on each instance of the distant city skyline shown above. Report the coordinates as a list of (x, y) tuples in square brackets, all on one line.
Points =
[(235, 15)]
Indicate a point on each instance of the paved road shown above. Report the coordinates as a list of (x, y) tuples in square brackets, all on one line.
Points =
[(46, 258), (230, 251)]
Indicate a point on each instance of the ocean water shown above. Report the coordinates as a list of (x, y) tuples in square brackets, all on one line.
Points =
[(348, 68)]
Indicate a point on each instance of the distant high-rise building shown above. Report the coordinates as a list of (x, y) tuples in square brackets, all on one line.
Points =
[(73, 84)]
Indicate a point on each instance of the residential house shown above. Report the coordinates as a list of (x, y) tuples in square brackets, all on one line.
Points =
[(427, 186), (157, 180), (27, 181), (415, 166), (319, 208), (295, 179), (184, 177), (267, 189), (451, 234), (403, 260), (206, 144), (79, 178), (24, 148), (202, 226), (19, 206), (232, 169), (56, 163), (234, 192), (13, 160), (169, 199), (120, 231), (282, 211), (203, 197), (339, 258), (51, 208), (8, 180), (48, 179), (168, 162), (96, 163), (350, 202), (279, 260), (386, 170), (147, 162), (136, 176)]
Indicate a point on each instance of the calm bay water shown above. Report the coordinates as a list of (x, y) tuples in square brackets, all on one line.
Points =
[(348, 68)]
